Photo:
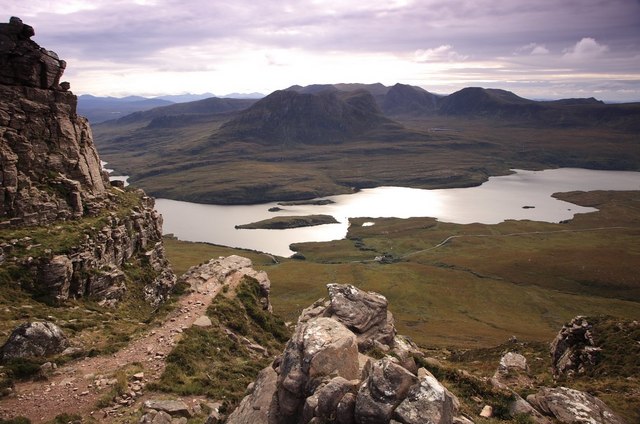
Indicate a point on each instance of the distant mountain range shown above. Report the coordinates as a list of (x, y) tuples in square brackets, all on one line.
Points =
[(101, 109), (310, 141)]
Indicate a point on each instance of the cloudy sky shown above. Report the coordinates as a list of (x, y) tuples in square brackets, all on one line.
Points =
[(536, 48)]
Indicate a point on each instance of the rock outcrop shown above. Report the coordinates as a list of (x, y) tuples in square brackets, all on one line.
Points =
[(223, 267), (49, 166), (50, 173), (326, 373), (574, 350), (34, 339), (572, 406)]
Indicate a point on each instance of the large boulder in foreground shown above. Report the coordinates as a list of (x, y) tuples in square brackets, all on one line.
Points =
[(34, 339), (572, 406)]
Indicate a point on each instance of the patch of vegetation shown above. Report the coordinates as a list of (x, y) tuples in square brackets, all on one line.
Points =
[(219, 361), (468, 387), (284, 222), (17, 420), (94, 328)]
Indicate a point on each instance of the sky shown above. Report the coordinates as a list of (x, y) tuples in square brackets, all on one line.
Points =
[(539, 49)]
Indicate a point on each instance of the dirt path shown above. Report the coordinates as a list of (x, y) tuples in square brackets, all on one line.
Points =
[(76, 387)]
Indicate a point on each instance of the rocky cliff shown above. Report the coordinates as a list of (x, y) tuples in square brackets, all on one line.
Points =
[(49, 167), (66, 231)]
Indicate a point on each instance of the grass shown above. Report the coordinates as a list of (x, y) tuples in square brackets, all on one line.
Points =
[(96, 329), (207, 361), (464, 299)]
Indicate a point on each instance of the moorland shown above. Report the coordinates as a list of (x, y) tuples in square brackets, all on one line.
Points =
[(306, 142)]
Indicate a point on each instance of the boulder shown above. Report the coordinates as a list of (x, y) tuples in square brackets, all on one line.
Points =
[(364, 313), (385, 386), (54, 276), (572, 406), (427, 402), (175, 408), (512, 371), (34, 339), (155, 417), (255, 406), (573, 350), (318, 348)]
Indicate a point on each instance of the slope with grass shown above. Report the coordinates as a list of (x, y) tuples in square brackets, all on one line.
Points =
[(491, 282), (313, 141)]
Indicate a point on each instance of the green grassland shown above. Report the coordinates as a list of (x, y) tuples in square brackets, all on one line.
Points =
[(490, 282)]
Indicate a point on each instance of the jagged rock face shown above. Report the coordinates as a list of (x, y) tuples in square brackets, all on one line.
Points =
[(573, 406), (385, 386), (49, 167), (34, 339), (574, 349), (23, 62), (50, 171), (427, 402), (93, 269), (325, 376), (364, 313)]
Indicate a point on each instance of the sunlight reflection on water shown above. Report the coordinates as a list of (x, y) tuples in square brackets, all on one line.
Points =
[(522, 195)]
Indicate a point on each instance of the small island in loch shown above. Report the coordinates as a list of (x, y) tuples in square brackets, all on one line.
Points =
[(285, 222)]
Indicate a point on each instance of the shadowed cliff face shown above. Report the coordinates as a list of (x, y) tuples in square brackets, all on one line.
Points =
[(49, 167), (287, 117)]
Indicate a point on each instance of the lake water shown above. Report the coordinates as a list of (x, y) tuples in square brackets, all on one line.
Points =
[(522, 195)]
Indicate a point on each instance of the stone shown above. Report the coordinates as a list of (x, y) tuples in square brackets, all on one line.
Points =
[(330, 395), (204, 321), (175, 408), (572, 406), (34, 339), (427, 402), (512, 371), (54, 276), (365, 313), (255, 406), (384, 388), (521, 407), (487, 411), (329, 348), (346, 408), (318, 348), (573, 350), (155, 417)]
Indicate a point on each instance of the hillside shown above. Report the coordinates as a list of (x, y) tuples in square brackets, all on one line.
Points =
[(289, 117), (318, 140)]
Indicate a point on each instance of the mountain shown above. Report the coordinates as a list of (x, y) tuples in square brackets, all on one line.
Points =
[(183, 98), (323, 139), (190, 110), (476, 102), (404, 99), (319, 115), (100, 109)]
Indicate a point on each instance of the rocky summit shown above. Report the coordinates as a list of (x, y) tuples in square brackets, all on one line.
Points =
[(346, 364), (51, 178)]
